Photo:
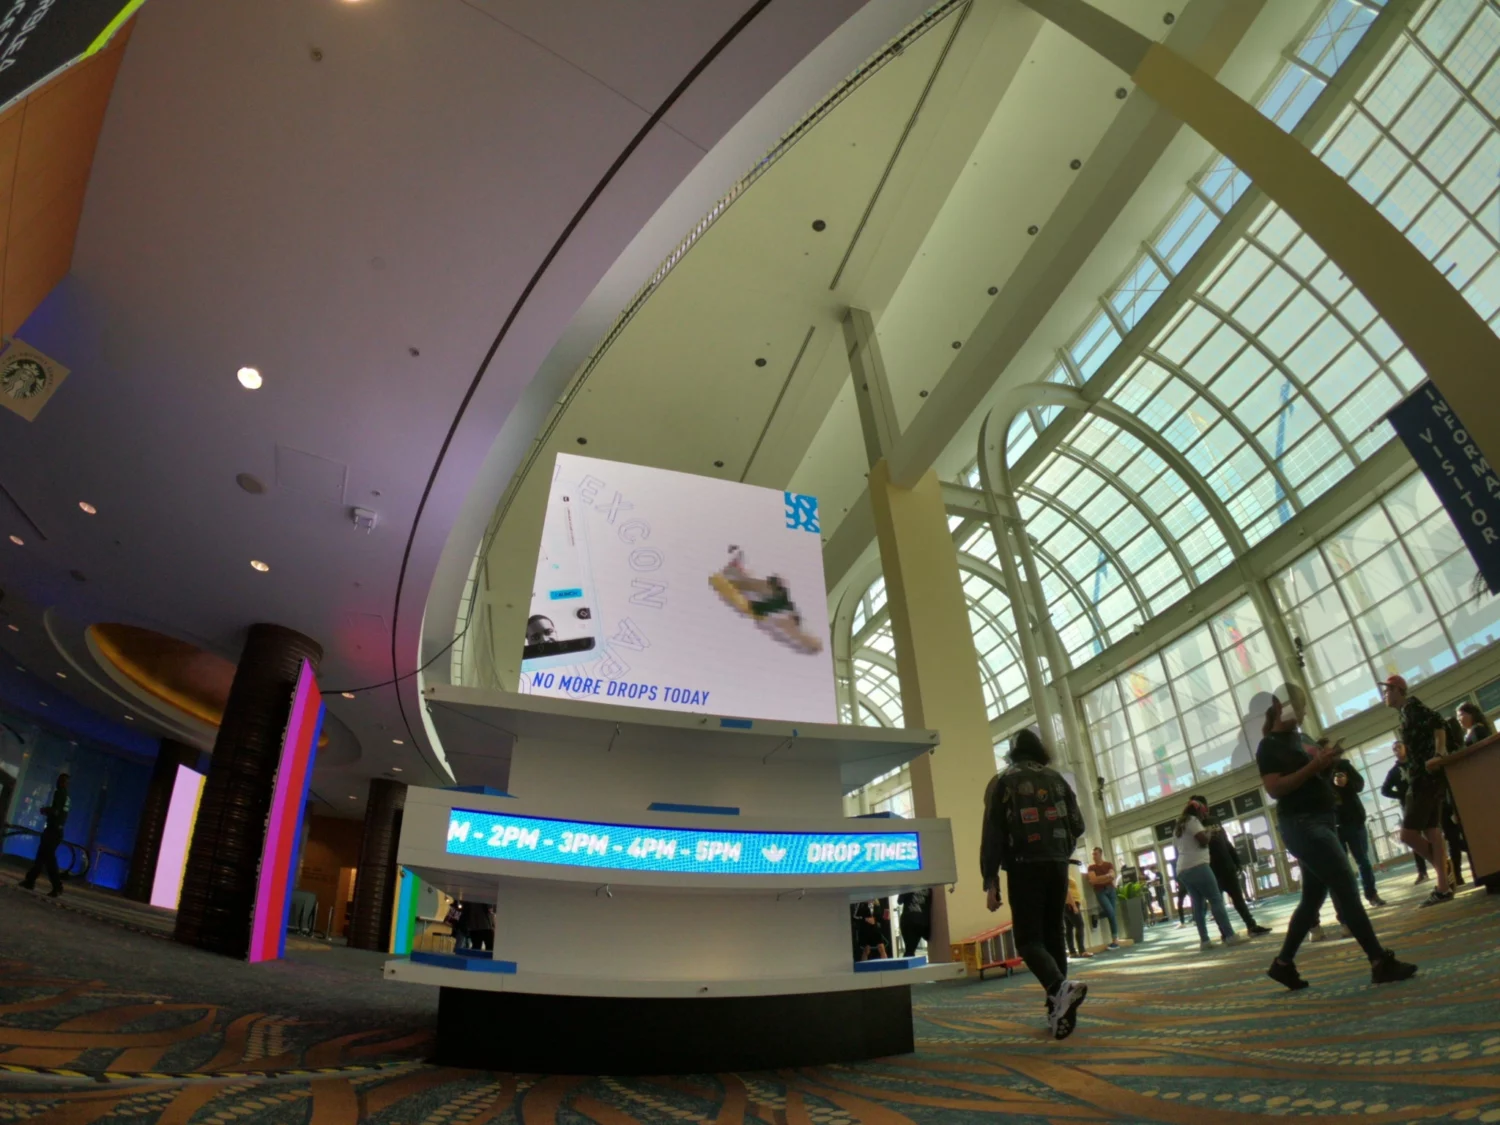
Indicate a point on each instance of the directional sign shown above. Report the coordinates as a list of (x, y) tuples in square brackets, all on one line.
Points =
[(695, 851), (1445, 450), (38, 38)]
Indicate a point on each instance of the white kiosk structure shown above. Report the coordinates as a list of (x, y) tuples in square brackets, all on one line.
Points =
[(671, 890)]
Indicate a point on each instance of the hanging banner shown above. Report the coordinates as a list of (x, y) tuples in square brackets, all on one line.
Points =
[(38, 38), (1469, 488)]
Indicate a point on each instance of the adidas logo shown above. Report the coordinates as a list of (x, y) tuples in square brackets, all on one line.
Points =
[(773, 854)]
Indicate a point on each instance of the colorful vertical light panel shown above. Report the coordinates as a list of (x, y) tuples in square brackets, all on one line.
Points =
[(176, 835), (278, 860)]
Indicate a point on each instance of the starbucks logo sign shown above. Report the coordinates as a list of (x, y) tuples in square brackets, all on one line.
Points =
[(23, 377), (28, 379)]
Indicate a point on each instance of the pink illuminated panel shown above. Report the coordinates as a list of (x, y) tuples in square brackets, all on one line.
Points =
[(278, 861), (176, 835)]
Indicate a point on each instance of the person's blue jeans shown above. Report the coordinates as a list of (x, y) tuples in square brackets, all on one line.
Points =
[(1357, 841), (1314, 840), (1203, 888), (1106, 897)]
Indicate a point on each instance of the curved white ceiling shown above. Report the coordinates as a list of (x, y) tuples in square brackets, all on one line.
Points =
[(353, 198)]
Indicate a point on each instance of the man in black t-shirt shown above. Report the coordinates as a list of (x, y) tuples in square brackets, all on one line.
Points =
[(1305, 806), (1426, 737)]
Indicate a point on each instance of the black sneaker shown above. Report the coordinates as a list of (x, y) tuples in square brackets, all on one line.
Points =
[(25, 886), (1258, 931), (1287, 975), (1064, 1014), (1434, 899), (1388, 970), (1378, 901)]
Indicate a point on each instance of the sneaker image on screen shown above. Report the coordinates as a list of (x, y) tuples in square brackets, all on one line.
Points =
[(765, 601)]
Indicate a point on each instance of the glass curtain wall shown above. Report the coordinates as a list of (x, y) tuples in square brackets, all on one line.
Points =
[(1390, 593), (1272, 375), (1179, 717)]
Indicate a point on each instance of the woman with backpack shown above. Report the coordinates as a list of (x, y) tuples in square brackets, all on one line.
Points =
[(1031, 828)]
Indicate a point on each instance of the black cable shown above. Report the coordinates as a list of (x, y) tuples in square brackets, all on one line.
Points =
[(661, 111), (415, 672)]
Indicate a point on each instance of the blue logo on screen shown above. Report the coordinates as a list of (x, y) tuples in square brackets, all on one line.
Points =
[(625, 847), (560, 595), (802, 512)]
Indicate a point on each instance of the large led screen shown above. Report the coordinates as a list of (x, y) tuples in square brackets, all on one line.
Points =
[(692, 851), (176, 835), (684, 593)]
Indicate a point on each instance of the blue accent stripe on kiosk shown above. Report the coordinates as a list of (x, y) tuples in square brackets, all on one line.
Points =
[(710, 810), (458, 961), (485, 790), (737, 724), (883, 965), (564, 595)]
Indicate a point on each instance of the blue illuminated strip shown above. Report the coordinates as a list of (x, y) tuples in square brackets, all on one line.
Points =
[(688, 851), (563, 595)]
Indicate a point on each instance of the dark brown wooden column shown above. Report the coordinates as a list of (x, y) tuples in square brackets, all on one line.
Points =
[(375, 885), (218, 888), (147, 848)]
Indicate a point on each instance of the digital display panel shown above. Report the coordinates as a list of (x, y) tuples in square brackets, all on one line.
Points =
[(684, 593), (688, 851), (278, 859), (176, 835)]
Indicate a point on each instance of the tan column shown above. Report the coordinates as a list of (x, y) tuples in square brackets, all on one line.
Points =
[(1446, 336), (940, 685)]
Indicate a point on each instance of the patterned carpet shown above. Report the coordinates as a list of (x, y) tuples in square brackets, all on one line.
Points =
[(154, 1033)]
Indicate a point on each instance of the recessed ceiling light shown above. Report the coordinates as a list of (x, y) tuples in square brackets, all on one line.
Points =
[(14, 628), (395, 769), (43, 702), (88, 508), (347, 694), (62, 675), (260, 566), (130, 718), (18, 541), (249, 378), (352, 797), (397, 742)]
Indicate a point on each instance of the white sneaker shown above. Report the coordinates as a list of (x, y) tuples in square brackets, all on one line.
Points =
[(1236, 939), (1317, 933), (1064, 1014), (1345, 932), (1205, 944)]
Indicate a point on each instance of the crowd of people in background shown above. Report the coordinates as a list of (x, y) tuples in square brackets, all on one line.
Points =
[(1032, 827)]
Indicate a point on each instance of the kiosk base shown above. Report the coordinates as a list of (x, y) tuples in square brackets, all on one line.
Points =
[(621, 1035)]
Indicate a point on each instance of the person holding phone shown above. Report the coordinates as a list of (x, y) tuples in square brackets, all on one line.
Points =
[(1298, 781)]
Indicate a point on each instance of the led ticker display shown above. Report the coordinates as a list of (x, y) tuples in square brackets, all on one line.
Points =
[(687, 851)]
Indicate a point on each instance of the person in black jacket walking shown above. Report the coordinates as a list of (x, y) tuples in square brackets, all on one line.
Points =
[(1348, 784), (1395, 787), (1031, 828), (52, 835)]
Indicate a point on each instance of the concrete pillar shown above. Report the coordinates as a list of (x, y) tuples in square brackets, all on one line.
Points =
[(218, 887), (940, 684)]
